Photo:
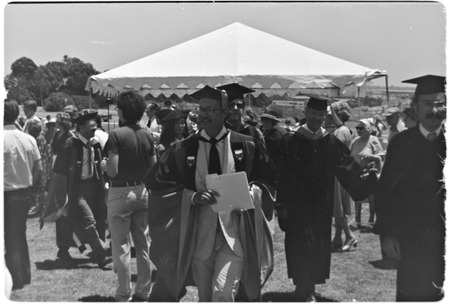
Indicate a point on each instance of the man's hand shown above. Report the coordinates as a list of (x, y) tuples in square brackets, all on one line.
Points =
[(203, 198), (368, 169), (103, 164)]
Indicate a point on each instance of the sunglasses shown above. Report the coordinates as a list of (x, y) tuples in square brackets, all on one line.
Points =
[(237, 105)]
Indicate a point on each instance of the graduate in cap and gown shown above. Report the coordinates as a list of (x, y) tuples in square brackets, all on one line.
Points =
[(309, 162), (235, 119), (410, 196), (223, 252)]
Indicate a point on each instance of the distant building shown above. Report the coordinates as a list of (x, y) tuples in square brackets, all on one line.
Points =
[(393, 94)]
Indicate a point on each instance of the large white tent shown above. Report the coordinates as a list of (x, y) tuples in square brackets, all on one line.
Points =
[(235, 53)]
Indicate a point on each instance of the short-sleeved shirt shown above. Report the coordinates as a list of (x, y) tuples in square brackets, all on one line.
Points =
[(360, 147), (19, 155), (343, 134), (135, 146)]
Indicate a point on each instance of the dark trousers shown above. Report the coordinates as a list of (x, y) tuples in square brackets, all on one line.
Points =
[(64, 239), (420, 275), (81, 216), (88, 211), (160, 292), (17, 258)]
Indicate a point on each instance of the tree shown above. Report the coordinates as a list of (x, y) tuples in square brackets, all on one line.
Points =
[(20, 82), (23, 67), (76, 74), (28, 81), (52, 76), (82, 102), (57, 101)]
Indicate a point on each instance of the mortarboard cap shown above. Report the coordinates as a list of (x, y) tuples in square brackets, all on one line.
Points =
[(235, 91), (317, 102), (208, 92), (84, 116), (428, 84)]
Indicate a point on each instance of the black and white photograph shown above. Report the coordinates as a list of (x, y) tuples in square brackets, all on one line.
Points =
[(224, 151)]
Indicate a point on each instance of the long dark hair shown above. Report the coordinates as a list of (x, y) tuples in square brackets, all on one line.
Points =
[(168, 134)]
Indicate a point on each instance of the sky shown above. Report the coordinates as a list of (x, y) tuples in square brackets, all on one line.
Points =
[(406, 39)]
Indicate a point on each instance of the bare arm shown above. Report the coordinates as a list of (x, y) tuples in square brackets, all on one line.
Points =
[(112, 167)]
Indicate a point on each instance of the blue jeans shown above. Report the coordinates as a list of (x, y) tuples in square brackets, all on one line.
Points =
[(127, 213)]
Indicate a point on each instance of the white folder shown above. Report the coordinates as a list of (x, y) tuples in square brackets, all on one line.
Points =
[(233, 189)]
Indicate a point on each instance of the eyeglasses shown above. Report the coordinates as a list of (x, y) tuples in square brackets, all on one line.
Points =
[(432, 103), (209, 110)]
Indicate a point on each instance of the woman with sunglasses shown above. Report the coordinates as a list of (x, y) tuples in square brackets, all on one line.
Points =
[(366, 149)]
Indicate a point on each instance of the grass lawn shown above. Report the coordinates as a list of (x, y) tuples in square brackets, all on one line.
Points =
[(353, 278)]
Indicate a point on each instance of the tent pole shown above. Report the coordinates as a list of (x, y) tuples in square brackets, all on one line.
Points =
[(387, 90), (359, 103), (89, 98)]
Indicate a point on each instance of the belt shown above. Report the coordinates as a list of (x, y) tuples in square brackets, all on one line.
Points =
[(125, 184)]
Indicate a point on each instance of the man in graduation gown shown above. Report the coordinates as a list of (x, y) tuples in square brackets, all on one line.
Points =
[(309, 162), (78, 173), (410, 196), (236, 111), (223, 251)]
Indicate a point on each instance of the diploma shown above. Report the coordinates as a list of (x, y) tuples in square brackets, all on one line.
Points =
[(233, 190)]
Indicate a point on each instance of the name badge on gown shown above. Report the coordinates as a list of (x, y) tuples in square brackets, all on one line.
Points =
[(239, 154), (190, 161)]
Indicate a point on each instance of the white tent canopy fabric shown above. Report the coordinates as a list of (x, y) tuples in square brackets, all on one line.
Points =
[(235, 53)]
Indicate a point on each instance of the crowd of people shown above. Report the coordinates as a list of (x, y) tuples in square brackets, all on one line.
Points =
[(148, 185)]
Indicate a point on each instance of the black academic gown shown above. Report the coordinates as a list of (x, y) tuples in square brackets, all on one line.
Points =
[(175, 171), (410, 206), (67, 175), (305, 192), (249, 130), (273, 138)]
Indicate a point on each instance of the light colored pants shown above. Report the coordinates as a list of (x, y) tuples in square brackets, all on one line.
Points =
[(127, 212), (217, 278)]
